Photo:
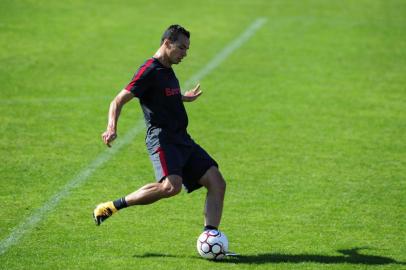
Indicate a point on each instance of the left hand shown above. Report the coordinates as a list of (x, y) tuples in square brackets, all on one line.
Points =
[(193, 94)]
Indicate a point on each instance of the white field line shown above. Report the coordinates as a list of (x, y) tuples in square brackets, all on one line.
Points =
[(221, 56), (30, 222), (76, 181)]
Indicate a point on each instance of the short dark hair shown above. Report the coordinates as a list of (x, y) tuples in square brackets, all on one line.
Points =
[(173, 32)]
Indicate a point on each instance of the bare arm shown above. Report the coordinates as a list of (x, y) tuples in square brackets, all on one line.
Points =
[(114, 112)]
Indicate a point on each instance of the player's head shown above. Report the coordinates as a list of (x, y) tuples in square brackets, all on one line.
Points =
[(174, 32), (176, 41)]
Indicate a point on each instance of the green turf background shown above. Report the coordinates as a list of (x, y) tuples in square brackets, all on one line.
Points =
[(306, 119)]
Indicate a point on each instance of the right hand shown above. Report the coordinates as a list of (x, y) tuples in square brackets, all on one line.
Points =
[(108, 136)]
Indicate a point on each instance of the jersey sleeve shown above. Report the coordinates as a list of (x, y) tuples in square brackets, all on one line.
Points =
[(142, 80)]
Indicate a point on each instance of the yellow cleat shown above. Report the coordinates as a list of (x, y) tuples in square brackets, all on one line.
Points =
[(103, 211)]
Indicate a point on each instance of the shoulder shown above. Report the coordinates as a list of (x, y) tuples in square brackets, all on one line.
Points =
[(147, 69)]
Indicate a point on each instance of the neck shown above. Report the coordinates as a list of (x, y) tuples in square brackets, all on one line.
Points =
[(162, 58)]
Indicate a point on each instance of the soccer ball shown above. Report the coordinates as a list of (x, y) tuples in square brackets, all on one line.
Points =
[(212, 245)]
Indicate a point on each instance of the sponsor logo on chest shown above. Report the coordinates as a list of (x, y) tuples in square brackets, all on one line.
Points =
[(172, 91)]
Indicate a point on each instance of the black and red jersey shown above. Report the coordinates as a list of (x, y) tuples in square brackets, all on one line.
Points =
[(158, 91)]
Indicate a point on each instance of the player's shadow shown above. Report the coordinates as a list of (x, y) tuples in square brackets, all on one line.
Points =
[(349, 256)]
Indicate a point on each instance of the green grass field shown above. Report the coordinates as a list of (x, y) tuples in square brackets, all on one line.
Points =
[(307, 120)]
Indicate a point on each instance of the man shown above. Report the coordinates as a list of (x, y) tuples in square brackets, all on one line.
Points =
[(176, 158)]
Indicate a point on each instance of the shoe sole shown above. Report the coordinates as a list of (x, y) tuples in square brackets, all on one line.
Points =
[(232, 254)]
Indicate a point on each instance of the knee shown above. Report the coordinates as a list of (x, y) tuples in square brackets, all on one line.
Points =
[(171, 188), (221, 185), (215, 181)]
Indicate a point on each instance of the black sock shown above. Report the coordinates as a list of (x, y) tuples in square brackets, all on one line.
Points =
[(120, 203), (209, 227)]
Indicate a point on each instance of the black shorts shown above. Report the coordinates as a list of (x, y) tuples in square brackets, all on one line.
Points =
[(188, 161)]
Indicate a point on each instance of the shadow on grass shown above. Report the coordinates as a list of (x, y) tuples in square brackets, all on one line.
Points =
[(156, 255), (349, 256)]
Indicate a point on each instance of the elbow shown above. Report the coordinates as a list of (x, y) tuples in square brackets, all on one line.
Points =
[(122, 98), (117, 102)]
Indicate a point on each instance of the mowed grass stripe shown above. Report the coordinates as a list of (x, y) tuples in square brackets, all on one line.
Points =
[(26, 226), (79, 179)]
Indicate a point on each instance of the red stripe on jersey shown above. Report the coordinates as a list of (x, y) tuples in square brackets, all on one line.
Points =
[(139, 74), (162, 159)]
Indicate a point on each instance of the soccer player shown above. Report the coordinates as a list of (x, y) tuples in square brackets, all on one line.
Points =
[(176, 158)]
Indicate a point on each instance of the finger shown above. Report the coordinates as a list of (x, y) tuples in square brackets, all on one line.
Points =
[(197, 87), (108, 141)]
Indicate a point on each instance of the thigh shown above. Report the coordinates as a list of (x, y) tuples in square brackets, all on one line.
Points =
[(166, 160)]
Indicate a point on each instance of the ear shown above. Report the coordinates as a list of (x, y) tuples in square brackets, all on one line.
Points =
[(167, 43)]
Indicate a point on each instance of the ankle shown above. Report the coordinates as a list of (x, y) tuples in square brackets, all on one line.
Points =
[(209, 227), (120, 203)]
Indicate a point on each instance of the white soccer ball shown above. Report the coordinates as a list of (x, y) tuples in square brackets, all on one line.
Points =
[(212, 245)]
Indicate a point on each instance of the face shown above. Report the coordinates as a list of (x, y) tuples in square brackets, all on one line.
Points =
[(177, 50)]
